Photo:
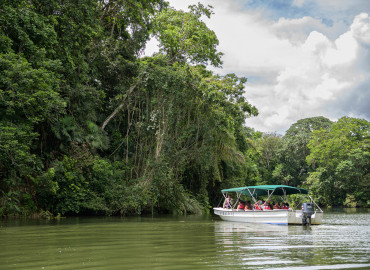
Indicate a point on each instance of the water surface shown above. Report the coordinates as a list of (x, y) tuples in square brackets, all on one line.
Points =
[(342, 242)]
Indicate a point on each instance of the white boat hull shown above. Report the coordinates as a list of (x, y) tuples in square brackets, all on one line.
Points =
[(268, 216)]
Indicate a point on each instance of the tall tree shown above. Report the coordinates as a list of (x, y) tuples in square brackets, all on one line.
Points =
[(183, 36), (29, 97), (292, 168), (340, 158), (267, 147)]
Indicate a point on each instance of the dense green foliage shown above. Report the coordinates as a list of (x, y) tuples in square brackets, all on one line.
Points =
[(330, 159), (87, 126), (341, 158)]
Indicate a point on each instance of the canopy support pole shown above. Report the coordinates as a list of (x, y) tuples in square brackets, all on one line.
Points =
[(269, 195), (285, 196), (252, 195), (237, 198), (219, 203), (315, 203)]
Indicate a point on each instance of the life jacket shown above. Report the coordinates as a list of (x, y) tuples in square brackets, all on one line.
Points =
[(257, 207), (241, 206), (267, 207), (285, 207)]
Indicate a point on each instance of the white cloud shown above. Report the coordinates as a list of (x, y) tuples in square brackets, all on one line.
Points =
[(361, 28), (303, 66), (330, 69), (297, 30), (298, 3)]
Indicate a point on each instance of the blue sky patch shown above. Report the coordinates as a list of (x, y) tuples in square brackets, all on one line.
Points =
[(328, 13)]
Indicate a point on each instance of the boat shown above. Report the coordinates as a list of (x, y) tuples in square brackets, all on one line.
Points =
[(305, 213)]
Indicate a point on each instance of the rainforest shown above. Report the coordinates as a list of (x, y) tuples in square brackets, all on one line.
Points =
[(91, 126)]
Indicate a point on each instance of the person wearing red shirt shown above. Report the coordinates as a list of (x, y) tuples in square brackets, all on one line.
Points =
[(276, 206), (267, 206), (241, 205)]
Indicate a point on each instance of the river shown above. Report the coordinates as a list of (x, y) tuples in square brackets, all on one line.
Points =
[(191, 242)]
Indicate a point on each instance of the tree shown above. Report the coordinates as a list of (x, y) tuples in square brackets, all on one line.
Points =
[(353, 173), (28, 96), (267, 155), (184, 37), (341, 154), (292, 168), (51, 92)]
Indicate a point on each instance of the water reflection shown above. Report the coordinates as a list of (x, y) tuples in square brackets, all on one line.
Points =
[(263, 245), (195, 243), (334, 245)]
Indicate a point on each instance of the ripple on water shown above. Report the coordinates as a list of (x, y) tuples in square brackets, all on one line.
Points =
[(342, 242)]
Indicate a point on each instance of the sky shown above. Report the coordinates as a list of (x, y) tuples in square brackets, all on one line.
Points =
[(302, 58)]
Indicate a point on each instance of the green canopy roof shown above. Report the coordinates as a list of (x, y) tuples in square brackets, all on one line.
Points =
[(267, 190)]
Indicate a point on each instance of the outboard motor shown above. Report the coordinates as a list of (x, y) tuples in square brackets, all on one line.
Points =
[(307, 211)]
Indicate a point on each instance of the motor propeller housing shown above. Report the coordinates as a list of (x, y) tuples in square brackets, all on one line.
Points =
[(307, 211)]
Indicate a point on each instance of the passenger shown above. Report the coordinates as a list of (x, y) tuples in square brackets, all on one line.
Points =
[(248, 206), (285, 206), (276, 206), (267, 206), (228, 203), (257, 205), (241, 205), (271, 207), (262, 204)]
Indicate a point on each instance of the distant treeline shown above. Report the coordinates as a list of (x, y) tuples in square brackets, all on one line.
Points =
[(88, 126)]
